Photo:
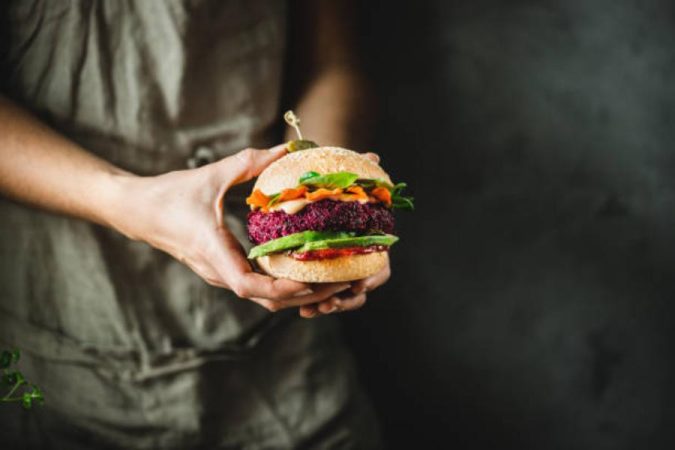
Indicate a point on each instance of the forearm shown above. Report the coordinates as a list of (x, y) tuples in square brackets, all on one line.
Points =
[(336, 109), (327, 89), (40, 167)]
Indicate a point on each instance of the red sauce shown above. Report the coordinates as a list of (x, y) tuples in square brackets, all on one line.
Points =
[(329, 253)]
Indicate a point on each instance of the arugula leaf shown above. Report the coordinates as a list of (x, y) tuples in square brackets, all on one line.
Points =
[(405, 203), (398, 188), (399, 201), (337, 180)]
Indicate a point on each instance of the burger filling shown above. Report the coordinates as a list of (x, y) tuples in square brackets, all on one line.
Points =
[(325, 216), (315, 241)]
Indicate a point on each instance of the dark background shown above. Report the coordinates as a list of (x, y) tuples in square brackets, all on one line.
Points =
[(532, 301)]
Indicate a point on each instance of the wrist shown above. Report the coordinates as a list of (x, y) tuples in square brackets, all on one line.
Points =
[(118, 189)]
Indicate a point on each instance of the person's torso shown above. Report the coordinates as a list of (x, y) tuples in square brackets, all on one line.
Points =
[(151, 86), (131, 347)]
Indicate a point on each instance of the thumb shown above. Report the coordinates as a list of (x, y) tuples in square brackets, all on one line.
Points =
[(240, 168), (248, 163)]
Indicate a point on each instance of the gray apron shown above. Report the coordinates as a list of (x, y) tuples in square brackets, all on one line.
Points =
[(131, 348)]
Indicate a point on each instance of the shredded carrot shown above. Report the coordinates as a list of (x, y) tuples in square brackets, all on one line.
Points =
[(382, 194), (359, 193), (322, 193), (292, 194), (257, 199)]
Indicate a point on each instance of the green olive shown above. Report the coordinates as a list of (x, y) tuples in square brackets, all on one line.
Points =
[(294, 146)]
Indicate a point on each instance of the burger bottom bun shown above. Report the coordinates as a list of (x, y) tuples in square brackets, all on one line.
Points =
[(344, 268)]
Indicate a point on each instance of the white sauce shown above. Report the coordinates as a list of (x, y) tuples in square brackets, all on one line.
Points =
[(294, 206), (291, 206)]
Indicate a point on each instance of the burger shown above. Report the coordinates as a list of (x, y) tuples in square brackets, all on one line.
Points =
[(323, 214)]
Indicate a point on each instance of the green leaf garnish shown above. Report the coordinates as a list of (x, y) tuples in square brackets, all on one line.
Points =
[(398, 188), (337, 180), (308, 176), (399, 201), (405, 203)]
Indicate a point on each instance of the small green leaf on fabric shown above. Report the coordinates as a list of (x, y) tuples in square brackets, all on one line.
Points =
[(5, 359)]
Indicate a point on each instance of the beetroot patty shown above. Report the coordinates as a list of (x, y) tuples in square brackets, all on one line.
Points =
[(324, 215)]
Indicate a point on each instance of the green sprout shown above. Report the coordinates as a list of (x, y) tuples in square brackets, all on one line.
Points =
[(19, 390)]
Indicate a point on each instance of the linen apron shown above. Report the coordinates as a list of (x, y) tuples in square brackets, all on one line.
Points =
[(132, 349)]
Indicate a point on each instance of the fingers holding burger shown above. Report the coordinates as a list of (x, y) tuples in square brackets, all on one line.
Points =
[(325, 215)]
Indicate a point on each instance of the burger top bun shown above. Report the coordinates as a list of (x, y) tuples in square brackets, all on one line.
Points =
[(285, 172)]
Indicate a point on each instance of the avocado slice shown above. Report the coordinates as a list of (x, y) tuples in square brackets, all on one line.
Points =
[(353, 241), (318, 240), (293, 241)]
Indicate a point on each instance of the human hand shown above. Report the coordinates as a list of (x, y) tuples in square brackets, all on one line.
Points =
[(181, 213), (347, 300)]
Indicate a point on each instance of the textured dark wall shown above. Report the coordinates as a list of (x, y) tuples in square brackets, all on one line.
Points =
[(533, 300)]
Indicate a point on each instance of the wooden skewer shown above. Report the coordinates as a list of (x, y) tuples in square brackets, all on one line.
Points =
[(293, 120)]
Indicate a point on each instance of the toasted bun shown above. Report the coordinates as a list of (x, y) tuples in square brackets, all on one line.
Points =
[(285, 172), (344, 268)]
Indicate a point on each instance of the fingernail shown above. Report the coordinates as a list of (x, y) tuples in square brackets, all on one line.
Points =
[(326, 307), (303, 293)]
